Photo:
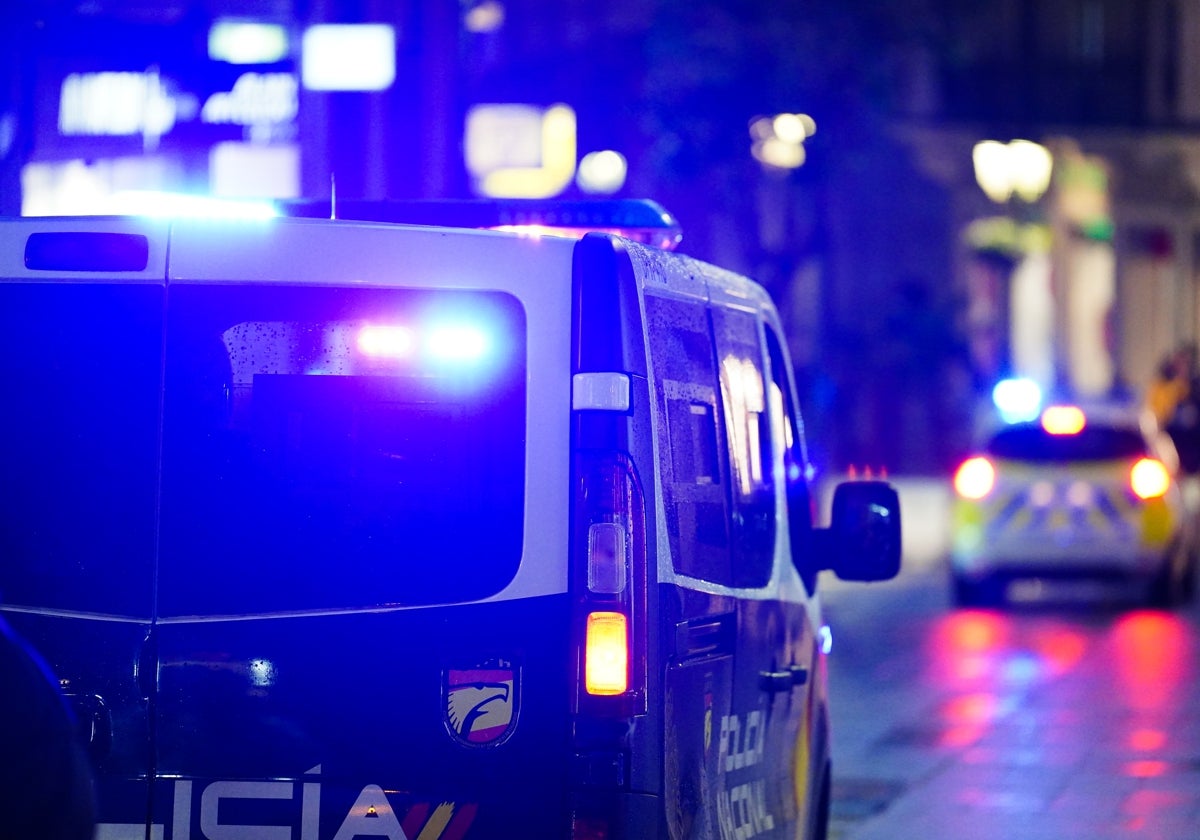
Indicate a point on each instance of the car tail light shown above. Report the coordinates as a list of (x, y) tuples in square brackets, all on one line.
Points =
[(606, 653), (975, 478), (610, 586), (1063, 420), (1149, 479)]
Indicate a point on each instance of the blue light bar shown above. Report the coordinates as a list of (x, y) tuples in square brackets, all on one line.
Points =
[(156, 204), (641, 220)]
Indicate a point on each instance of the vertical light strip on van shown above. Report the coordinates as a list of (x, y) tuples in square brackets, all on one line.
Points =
[(611, 585)]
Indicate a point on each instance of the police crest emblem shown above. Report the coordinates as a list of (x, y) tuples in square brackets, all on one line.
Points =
[(481, 703)]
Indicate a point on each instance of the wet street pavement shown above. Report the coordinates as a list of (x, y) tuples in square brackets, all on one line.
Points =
[(1050, 721)]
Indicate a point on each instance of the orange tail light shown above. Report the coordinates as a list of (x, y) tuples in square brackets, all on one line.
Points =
[(606, 662)]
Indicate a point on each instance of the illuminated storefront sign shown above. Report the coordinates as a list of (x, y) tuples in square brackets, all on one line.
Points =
[(118, 104), (149, 106), (348, 57), (246, 42), (256, 98), (520, 151)]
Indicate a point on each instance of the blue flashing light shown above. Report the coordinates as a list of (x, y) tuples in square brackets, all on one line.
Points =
[(457, 343), (177, 205), (1017, 400), (439, 343), (386, 341)]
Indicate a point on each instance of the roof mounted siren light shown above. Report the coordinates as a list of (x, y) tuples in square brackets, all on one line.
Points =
[(640, 220)]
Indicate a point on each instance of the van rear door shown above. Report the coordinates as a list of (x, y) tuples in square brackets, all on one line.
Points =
[(80, 358), (360, 633)]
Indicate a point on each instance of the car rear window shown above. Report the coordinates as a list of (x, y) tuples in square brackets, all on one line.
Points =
[(339, 448), (1029, 442)]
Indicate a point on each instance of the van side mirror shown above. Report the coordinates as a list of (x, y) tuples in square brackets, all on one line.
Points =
[(862, 542)]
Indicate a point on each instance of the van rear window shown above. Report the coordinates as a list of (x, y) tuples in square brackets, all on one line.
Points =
[(340, 448)]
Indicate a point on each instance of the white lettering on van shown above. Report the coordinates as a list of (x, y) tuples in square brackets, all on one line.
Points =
[(741, 743), (310, 808), (182, 814), (210, 805), (371, 815), (742, 811)]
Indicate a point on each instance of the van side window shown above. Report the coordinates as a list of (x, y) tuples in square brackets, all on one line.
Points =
[(690, 438), (744, 395), (789, 447)]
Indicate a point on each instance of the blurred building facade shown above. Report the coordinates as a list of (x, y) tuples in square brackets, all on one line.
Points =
[(1106, 285), (907, 291)]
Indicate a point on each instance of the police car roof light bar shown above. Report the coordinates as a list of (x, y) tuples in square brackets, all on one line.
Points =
[(641, 220)]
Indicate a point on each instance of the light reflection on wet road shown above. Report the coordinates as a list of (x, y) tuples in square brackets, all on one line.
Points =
[(1039, 722)]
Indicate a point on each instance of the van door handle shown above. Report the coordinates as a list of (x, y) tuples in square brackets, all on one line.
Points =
[(799, 674), (773, 682), (707, 636)]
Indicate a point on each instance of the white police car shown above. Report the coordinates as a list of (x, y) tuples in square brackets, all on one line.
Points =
[(342, 528), (1075, 496)]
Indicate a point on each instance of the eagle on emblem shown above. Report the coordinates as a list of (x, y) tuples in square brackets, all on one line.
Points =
[(479, 704)]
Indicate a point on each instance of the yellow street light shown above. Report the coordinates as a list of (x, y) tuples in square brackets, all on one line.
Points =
[(1020, 166)]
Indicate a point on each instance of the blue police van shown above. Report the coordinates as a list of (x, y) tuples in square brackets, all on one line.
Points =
[(356, 527)]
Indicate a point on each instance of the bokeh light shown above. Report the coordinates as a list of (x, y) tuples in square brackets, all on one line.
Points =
[(1017, 400), (602, 172)]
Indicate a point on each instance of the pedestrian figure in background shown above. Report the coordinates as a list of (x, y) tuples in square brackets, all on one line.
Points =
[(1173, 398), (46, 788), (1168, 388)]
